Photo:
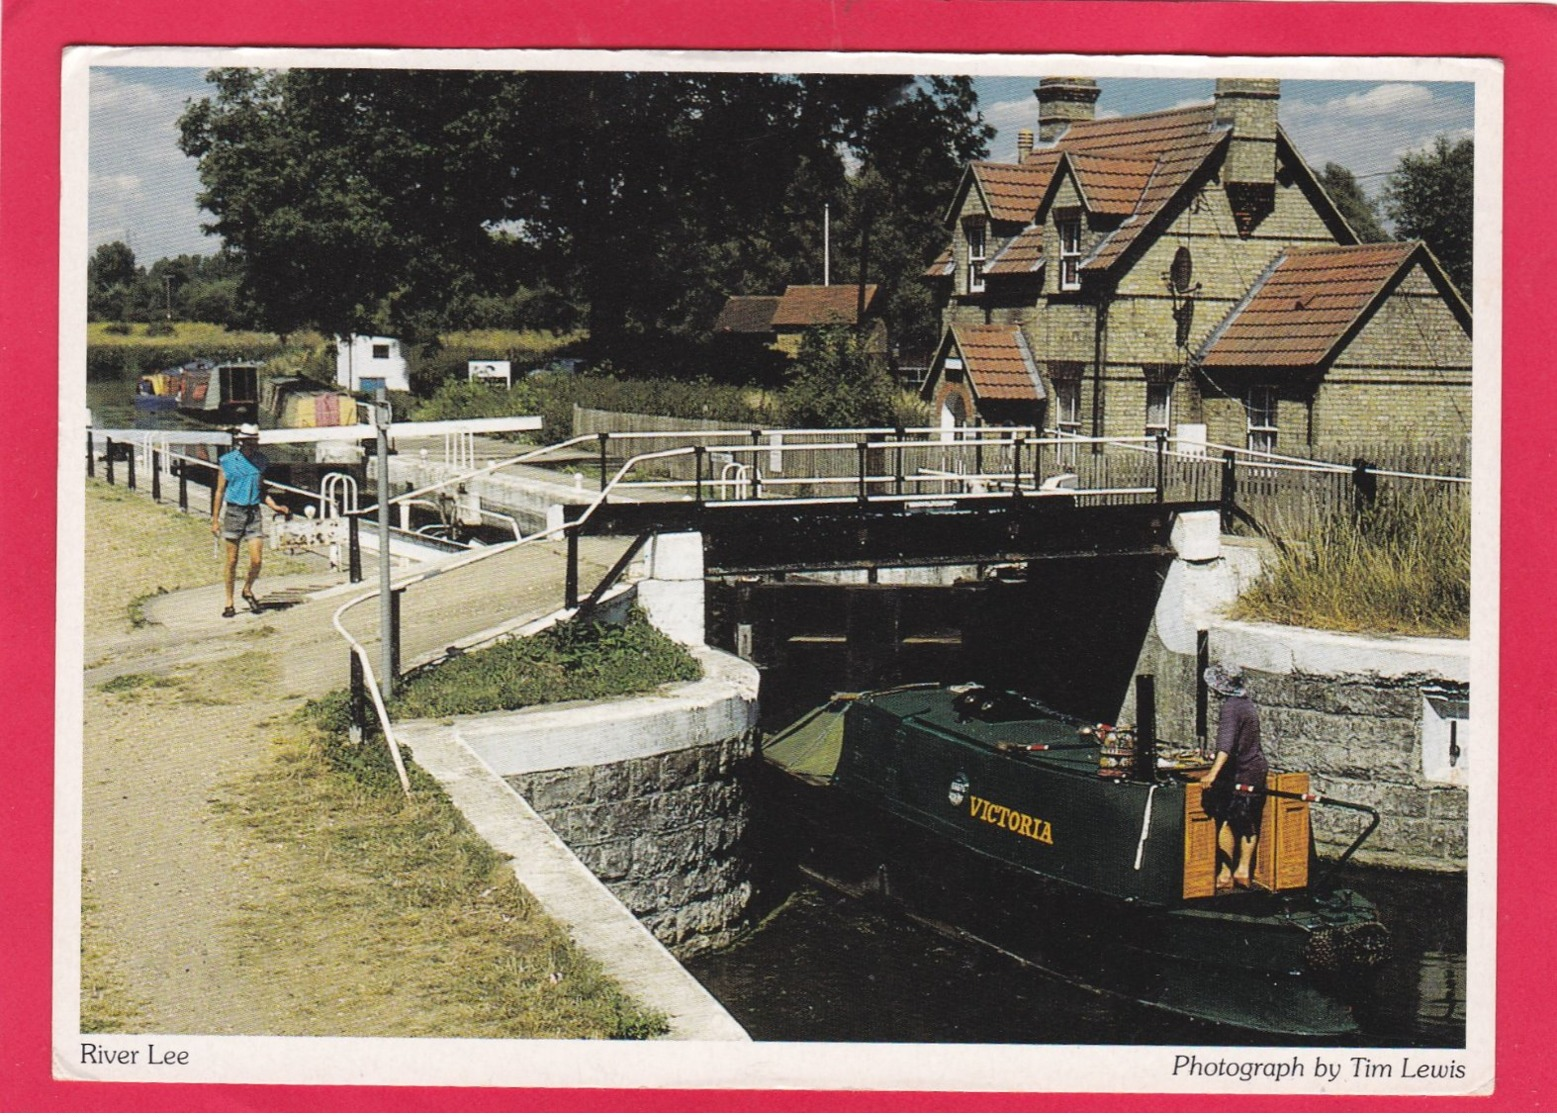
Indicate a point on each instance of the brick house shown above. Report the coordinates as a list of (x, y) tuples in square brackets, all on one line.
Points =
[(782, 320), (1139, 274)]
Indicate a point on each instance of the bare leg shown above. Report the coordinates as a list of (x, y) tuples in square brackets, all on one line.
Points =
[(256, 555), (230, 569), (1241, 875), (1224, 855)]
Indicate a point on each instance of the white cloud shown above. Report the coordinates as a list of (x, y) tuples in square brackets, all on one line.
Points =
[(1367, 131), (142, 187)]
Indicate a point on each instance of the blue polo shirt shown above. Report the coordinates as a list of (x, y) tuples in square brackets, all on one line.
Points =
[(243, 477)]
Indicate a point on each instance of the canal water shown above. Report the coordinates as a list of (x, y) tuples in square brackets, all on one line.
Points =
[(829, 967)]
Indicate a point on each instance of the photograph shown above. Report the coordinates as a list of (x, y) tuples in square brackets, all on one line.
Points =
[(777, 554), (914, 556)]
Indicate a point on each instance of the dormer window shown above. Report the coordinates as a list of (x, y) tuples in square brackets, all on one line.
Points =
[(978, 254), (1069, 228)]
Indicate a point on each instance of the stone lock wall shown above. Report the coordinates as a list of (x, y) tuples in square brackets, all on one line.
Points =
[(1349, 710), (1360, 734), (662, 832)]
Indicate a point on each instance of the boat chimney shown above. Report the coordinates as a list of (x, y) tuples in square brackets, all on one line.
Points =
[(1146, 728)]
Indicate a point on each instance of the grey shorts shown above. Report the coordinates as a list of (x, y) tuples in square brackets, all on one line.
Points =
[(241, 521)]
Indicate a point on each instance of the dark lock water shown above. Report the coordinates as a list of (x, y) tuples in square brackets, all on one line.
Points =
[(829, 967)]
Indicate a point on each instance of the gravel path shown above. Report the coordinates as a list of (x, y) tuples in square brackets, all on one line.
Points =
[(185, 706)]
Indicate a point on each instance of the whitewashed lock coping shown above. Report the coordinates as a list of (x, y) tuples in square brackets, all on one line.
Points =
[(717, 707)]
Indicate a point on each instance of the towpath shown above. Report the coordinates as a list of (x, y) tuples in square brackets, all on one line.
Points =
[(181, 709)]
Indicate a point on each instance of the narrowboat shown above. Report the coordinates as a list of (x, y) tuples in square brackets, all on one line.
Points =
[(158, 391), (1084, 849), (220, 394)]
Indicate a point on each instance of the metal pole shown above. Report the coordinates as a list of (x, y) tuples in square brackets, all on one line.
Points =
[(183, 486), (756, 473), (697, 464), (570, 587), (359, 698), (1016, 465), (604, 438), (898, 465), (864, 495), (156, 476), (394, 631), (91, 457), (1162, 462), (130, 468), (386, 605), (1229, 487), (109, 458), (354, 546)]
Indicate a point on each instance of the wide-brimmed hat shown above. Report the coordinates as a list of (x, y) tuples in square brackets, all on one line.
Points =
[(1225, 680), (248, 430)]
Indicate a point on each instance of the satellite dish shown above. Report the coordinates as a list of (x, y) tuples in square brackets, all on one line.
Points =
[(1182, 273)]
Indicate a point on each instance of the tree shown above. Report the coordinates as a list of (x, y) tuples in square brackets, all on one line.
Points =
[(836, 382), (405, 201), (1430, 196), (111, 276), (1361, 212)]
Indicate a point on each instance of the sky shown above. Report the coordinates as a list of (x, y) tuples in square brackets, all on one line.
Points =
[(142, 188)]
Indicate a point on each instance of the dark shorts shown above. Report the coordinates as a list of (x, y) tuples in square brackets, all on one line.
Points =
[(1240, 810), (241, 521)]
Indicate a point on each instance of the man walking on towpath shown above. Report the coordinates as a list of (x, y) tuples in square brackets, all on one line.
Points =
[(240, 490)]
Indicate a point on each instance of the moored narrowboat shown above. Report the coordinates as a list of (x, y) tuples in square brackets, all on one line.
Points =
[(223, 393), (1096, 839)]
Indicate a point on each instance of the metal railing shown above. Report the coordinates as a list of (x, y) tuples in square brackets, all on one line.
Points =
[(867, 466)]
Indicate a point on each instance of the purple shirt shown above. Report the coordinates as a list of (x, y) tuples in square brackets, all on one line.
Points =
[(1238, 735)]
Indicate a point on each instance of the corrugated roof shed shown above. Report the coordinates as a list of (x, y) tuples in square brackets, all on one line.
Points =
[(746, 314), (1305, 305), (803, 305)]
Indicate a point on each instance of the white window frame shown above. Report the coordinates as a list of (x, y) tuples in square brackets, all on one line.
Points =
[(1068, 229), (1067, 406), (1261, 412), (1159, 397), (977, 234)]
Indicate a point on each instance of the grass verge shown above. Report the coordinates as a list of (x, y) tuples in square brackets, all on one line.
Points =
[(137, 550), (1399, 567), (395, 918), (577, 659)]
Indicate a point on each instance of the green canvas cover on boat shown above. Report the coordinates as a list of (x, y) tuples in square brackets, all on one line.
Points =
[(809, 748)]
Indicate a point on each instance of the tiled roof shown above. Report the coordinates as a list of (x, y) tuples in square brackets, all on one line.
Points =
[(998, 362), (1177, 142), (940, 267), (1022, 255), (1013, 190), (820, 306), (1109, 184), (746, 314), (1148, 136), (1304, 305)]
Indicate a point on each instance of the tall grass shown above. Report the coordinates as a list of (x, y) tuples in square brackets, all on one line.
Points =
[(1400, 566)]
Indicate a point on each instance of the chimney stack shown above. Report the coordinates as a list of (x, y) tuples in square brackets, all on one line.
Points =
[(1248, 106), (1062, 102), (1024, 144)]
